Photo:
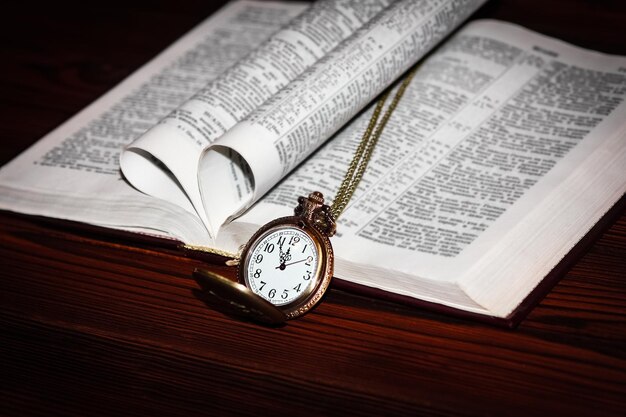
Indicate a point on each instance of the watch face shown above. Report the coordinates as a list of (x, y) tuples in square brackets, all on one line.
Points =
[(282, 265)]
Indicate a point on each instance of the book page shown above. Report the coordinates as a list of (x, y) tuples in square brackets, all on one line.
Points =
[(292, 124), (73, 172), (574, 124), (174, 145), (489, 130)]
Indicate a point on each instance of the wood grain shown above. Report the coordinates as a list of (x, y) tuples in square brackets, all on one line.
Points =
[(95, 325)]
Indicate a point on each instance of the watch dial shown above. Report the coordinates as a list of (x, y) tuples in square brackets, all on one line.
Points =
[(283, 265)]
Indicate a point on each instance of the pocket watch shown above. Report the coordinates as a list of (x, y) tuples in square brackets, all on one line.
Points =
[(289, 261), (283, 270)]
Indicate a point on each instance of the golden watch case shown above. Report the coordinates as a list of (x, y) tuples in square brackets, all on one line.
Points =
[(312, 225)]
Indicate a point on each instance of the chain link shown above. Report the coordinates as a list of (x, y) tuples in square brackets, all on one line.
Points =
[(369, 139)]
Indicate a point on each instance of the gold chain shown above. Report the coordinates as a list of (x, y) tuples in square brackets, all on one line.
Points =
[(363, 153)]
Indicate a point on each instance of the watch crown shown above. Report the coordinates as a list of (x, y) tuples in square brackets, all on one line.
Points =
[(317, 197), (317, 213)]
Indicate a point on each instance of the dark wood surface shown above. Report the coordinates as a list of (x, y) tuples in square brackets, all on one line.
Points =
[(95, 325)]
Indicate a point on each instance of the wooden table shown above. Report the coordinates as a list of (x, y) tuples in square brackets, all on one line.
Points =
[(94, 325)]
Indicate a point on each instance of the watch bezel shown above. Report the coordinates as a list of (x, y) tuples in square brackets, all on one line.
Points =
[(324, 272)]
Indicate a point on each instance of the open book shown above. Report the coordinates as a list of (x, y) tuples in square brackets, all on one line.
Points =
[(506, 149)]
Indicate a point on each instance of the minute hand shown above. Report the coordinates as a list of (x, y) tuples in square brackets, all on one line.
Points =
[(291, 263)]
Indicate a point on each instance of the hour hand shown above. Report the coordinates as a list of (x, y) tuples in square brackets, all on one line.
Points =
[(284, 257)]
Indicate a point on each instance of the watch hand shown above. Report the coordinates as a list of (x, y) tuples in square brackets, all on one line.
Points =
[(290, 263), (281, 254), (282, 259), (284, 256)]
